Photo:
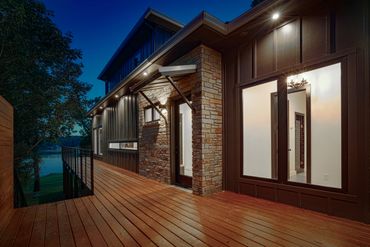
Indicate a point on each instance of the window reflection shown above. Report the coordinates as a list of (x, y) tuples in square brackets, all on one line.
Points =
[(314, 123)]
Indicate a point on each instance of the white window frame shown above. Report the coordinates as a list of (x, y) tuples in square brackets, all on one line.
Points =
[(100, 134), (151, 115)]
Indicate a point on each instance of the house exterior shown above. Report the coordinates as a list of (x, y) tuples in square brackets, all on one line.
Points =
[(273, 104)]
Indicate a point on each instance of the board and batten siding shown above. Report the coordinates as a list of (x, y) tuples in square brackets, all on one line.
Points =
[(156, 38), (316, 38), (119, 124), (6, 157)]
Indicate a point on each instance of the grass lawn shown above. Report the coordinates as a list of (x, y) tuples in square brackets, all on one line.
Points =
[(51, 189)]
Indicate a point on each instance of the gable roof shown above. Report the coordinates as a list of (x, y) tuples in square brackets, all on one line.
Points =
[(203, 29), (150, 15)]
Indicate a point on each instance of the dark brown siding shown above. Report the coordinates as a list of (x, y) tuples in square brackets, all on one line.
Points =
[(265, 54), (328, 34), (366, 150), (231, 138), (287, 45), (6, 157), (314, 37), (119, 123)]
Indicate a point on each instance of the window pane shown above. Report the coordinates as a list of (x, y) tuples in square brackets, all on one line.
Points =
[(148, 115), (156, 115), (100, 141), (114, 145), (95, 141), (185, 140), (128, 145), (315, 117), (260, 130)]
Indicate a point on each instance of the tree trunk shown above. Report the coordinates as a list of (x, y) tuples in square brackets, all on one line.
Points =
[(36, 172), (36, 186)]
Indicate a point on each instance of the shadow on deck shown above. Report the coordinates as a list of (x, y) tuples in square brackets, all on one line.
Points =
[(130, 210)]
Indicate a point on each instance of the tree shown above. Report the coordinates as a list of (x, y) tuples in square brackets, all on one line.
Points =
[(255, 3), (39, 74)]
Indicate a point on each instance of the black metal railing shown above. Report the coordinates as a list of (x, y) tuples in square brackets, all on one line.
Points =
[(78, 172), (19, 198)]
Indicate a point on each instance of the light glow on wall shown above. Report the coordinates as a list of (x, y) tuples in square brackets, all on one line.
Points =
[(275, 16)]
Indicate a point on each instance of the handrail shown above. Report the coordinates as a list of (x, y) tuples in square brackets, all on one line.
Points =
[(78, 171)]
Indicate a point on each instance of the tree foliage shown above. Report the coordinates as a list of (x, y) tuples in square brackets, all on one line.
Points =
[(39, 76)]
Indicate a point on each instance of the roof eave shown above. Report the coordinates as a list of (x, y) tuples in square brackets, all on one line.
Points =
[(202, 19)]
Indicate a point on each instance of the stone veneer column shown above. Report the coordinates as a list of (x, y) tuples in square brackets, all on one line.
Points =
[(154, 139), (207, 125)]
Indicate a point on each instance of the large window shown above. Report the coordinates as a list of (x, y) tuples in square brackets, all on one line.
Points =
[(314, 128), (95, 137), (260, 130), (314, 123), (98, 141)]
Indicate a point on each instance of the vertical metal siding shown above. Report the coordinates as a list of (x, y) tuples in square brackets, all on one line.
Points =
[(156, 39), (119, 123)]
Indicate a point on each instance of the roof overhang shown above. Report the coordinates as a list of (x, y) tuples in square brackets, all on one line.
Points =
[(204, 29), (159, 77), (177, 70)]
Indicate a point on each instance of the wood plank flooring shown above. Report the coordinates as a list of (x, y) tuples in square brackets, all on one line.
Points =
[(130, 210)]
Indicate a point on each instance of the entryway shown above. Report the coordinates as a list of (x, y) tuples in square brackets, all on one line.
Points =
[(183, 144)]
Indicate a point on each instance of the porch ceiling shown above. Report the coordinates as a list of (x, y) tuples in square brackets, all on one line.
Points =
[(159, 78)]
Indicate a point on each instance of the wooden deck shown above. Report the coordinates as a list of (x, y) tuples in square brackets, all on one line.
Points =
[(129, 210)]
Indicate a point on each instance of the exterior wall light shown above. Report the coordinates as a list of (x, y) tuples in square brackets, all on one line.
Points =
[(296, 84), (116, 96), (163, 108), (275, 16)]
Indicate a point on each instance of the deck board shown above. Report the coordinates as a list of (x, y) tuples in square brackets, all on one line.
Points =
[(52, 229), (130, 210), (80, 236), (39, 226), (64, 225), (24, 234)]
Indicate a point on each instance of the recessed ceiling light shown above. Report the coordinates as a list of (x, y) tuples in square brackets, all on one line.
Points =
[(275, 16), (117, 96), (100, 107), (145, 73)]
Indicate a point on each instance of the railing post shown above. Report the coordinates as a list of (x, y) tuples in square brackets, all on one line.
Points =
[(81, 174), (92, 171), (72, 158), (85, 165), (75, 164)]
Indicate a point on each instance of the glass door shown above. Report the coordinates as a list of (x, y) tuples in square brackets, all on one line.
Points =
[(184, 148)]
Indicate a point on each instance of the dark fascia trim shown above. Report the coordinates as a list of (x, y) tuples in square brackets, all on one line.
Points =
[(255, 12), (148, 13), (154, 13), (202, 19)]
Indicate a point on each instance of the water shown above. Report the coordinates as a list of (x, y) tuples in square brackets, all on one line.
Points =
[(51, 181), (51, 163)]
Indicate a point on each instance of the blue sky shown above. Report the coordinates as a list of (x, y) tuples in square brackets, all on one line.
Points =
[(99, 27)]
